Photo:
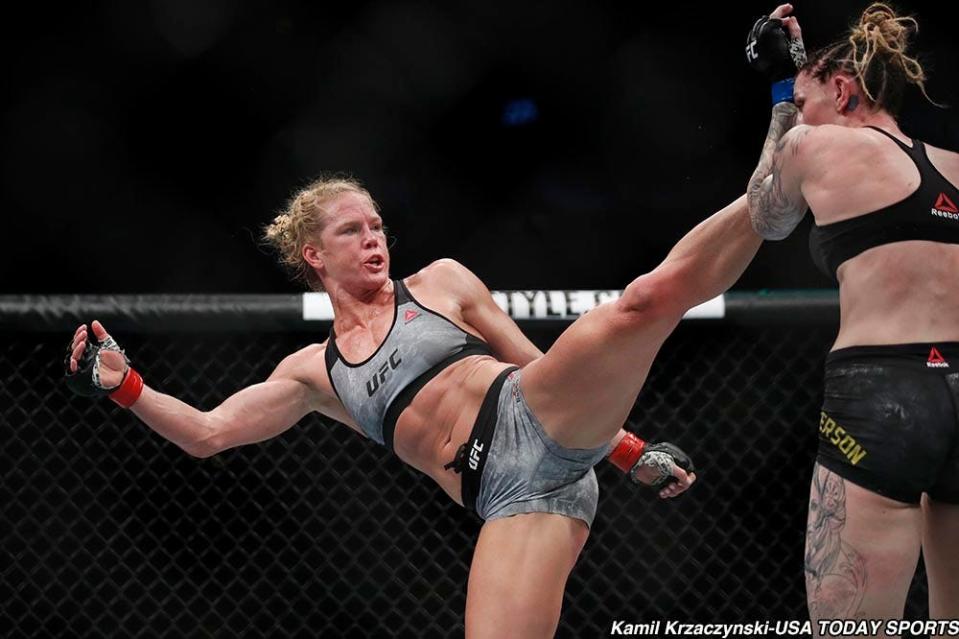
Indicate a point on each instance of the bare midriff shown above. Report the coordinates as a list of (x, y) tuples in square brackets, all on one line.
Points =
[(440, 418), (900, 293)]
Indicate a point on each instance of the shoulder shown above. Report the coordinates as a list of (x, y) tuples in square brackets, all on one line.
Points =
[(801, 139), (445, 272), (308, 367), (300, 364), (445, 267), (451, 279), (946, 161), (805, 145), (309, 353), (832, 136)]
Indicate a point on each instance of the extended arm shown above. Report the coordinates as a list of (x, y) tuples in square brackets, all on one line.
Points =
[(253, 414)]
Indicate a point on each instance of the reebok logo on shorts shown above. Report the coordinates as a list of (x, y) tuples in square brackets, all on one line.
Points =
[(944, 207), (936, 360)]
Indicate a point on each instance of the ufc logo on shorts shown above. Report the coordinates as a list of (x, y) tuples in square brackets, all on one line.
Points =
[(380, 378), (475, 454), (751, 51)]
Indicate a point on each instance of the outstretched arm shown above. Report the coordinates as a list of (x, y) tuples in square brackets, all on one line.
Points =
[(253, 414)]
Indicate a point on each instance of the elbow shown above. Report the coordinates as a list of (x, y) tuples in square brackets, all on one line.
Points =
[(199, 450), (209, 443), (770, 234), (762, 220), (766, 231)]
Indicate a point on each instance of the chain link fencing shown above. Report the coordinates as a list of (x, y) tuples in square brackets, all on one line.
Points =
[(109, 530)]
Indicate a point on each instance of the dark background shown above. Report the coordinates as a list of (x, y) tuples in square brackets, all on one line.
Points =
[(543, 144)]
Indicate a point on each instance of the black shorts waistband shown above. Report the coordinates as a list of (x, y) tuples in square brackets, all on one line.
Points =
[(943, 354), (471, 456)]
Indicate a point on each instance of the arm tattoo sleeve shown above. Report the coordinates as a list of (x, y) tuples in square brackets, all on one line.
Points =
[(773, 214)]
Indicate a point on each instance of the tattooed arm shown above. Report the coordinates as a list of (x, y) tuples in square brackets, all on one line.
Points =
[(776, 203)]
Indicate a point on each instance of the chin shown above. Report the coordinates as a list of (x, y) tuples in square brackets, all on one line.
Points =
[(378, 279)]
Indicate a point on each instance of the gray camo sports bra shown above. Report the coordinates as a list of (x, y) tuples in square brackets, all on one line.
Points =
[(419, 345)]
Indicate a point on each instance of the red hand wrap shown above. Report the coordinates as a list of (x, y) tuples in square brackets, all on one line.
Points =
[(129, 390), (627, 452)]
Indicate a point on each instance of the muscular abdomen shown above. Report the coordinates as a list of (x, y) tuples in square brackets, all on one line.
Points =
[(440, 418)]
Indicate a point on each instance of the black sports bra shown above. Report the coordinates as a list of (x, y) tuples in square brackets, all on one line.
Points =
[(929, 213)]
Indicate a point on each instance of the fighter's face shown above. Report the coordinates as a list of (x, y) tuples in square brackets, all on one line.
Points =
[(353, 243)]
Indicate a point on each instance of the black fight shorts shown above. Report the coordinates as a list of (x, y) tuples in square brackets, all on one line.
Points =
[(890, 419)]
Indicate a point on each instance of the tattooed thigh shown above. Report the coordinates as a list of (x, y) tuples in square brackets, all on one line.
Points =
[(835, 571)]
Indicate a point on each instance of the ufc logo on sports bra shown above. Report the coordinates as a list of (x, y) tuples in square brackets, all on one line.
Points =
[(380, 378)]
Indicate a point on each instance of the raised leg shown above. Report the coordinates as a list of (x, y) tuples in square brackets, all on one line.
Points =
[(583, 388)]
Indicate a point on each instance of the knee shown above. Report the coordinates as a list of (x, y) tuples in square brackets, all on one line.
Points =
[(653, 297)]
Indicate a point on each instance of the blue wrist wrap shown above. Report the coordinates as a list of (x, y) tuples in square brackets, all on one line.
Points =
[(783, 90)]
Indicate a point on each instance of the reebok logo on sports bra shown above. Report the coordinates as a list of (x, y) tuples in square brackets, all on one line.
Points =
[(833, 243), (945, 208)]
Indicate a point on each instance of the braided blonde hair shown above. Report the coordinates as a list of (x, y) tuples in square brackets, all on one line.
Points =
[(876, 53), (303, 220)]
